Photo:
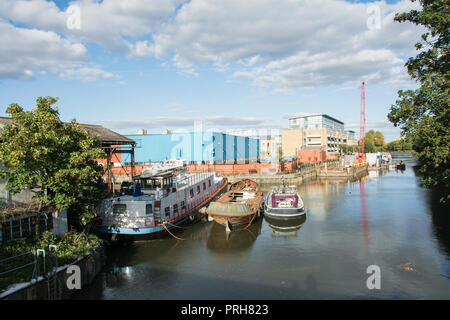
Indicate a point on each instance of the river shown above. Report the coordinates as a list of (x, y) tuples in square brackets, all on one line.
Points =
[(385, 219)]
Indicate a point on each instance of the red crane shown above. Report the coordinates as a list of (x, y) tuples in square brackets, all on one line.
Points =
[(362, 128)]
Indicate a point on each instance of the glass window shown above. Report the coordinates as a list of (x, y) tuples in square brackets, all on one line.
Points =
[(167, 211), (148, 209), (119, 208), (191, 193), (204, 186), (198, 189)]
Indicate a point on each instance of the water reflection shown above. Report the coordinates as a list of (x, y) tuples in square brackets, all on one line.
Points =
[(241, 240), (365, 223), (285, 228), (440, 218), (387, 220)]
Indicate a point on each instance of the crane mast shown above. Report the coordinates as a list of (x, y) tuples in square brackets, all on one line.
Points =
[(362, 127)]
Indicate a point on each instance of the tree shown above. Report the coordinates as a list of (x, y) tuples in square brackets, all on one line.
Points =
[(370, 137), (55, 158), (369, 146), (280, 154), (423, 114), (343, 148), (379, 139), (394, 146)]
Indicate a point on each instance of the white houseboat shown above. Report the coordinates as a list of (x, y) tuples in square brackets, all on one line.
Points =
[(162, 199)]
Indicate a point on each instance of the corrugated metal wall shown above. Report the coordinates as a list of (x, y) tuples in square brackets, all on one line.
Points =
[(195, 147)]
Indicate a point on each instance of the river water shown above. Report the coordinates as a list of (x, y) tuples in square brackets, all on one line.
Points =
[(385, 219)]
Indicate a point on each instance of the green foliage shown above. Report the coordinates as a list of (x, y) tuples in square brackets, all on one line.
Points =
[(69, 247), (370, 137), (280, 154), (423, 114), (55, 159), (369, 146), (346, 149), (373, 141), (379, 140), (399, 145)]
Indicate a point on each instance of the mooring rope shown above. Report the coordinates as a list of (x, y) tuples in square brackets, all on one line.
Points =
[(248, 223), (164, 225), (174, 225)]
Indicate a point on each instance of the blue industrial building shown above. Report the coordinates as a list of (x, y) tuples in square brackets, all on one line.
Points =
[(196, 147)]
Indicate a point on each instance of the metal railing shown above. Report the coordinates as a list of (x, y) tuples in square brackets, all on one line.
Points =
[(126, 221), (20, 265), (43, 265)]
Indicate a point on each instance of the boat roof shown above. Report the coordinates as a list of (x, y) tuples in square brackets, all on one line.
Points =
[(284, 190), (156, 175), (144, 197)]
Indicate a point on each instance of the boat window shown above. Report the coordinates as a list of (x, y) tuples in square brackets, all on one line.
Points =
[(182, 204), (191, 192), (209, 183), (167, 211), (198, 189), (175, 208), (204, 186), (119, 208), (148, 209)]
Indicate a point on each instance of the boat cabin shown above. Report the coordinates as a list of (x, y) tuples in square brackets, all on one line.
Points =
[(162, 180), (284, 200)]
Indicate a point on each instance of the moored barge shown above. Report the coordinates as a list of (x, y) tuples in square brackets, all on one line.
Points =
[(161, 200), (284, 203), (240, 205)]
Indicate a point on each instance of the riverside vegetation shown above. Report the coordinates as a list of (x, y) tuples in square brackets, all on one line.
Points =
[(56, 161), (70, 247), (423, 114)]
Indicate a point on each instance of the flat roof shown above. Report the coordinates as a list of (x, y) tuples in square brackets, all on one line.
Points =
[(189, 132), (315, 115)]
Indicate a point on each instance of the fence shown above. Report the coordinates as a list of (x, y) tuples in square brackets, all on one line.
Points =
[(30, 267)]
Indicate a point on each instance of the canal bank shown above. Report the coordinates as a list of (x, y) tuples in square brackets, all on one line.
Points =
[(53, 285), (388, 220), (331, 170)]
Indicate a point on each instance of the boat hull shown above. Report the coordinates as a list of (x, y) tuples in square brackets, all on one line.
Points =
[(232, 214), (284, 213), (295, 210), (113, 233), (233, 221)]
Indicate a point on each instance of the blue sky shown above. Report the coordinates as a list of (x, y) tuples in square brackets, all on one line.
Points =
[(164, 64)]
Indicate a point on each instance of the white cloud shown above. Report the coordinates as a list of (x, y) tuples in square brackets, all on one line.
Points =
[(87, 74), (289, 44), (283, 45), (107, 23), (26, 51)]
